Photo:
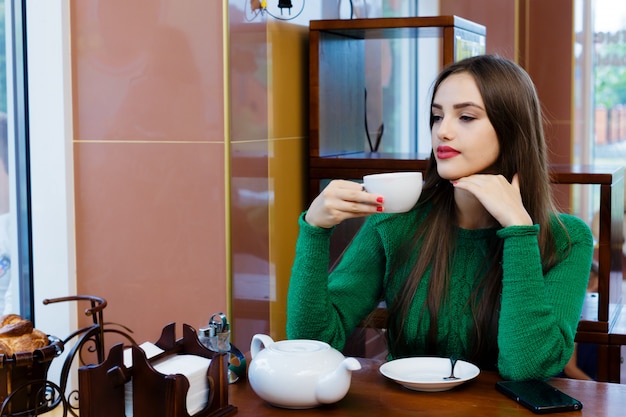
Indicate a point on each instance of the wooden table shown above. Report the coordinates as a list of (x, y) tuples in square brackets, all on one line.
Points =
[(371, 394)]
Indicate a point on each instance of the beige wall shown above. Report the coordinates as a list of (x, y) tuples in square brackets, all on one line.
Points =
[(177, 211), (149, 148), (546, 50)]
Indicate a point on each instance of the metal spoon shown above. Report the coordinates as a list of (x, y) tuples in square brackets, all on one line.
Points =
[(453, 360)]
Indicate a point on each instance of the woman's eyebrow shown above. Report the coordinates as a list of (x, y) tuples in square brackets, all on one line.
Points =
[(467, 104), (460, 105)]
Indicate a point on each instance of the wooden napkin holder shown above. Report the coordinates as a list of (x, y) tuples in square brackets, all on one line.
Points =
[(101, 386)]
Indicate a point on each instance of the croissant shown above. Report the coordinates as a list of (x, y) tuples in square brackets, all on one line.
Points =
[(18, 335), (14, 325)]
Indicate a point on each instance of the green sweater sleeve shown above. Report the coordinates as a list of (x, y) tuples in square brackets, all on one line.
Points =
[(540, 312), (327, 306)]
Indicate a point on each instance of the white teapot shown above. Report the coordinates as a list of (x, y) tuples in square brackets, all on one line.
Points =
[(298, 373)]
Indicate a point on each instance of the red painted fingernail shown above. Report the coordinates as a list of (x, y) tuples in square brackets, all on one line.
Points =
[(379, 200), (379, 208)]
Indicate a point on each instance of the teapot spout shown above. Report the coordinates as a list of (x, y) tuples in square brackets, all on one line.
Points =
[(333, 386)]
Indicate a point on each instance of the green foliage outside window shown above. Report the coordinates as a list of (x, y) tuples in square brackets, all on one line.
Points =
[(610, 76)]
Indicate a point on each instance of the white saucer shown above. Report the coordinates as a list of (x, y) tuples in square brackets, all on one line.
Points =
[(428, 373)]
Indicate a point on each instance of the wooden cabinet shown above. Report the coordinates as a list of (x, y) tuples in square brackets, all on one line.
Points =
[(351, 63)]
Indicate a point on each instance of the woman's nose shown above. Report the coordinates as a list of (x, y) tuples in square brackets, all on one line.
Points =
[(444, 129)]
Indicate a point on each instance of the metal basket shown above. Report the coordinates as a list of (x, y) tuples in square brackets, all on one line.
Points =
[(24, 389)]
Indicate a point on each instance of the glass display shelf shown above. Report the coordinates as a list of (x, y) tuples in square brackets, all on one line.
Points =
[(368, 83)]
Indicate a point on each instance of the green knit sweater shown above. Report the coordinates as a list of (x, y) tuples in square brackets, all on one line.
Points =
[(539, 313)]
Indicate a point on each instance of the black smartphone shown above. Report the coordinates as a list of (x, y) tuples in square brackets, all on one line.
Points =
[(539, 396)]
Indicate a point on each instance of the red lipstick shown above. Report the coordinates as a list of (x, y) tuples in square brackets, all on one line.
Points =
[(445, 152)]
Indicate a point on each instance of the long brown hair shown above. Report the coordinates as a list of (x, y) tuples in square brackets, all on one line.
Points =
[(514, 110)]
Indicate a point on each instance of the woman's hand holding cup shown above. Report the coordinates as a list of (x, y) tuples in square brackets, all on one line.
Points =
[(394, 192), (342, 200)]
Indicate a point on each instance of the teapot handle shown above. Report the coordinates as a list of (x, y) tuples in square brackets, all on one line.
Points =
[(257, 341)]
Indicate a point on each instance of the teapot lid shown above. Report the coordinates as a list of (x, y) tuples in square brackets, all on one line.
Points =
[(299, 346)]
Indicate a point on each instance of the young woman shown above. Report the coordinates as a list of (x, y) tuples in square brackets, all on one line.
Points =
[(482, 267)]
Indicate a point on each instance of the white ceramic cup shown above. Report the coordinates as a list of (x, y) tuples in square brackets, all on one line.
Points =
[(400, 190)]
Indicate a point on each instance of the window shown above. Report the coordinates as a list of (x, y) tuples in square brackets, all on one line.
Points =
[(609, 82), (15, 259), (600, 94)]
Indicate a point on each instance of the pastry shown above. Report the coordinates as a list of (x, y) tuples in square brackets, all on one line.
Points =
[(14, 325), (18, 335)]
